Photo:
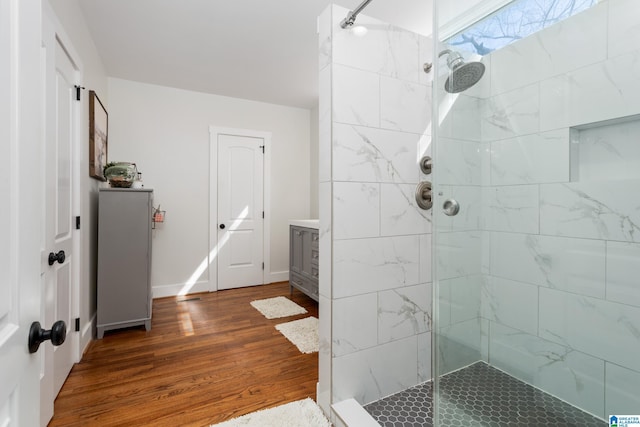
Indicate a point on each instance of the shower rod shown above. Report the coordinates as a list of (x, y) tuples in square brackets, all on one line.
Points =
[(351, 16)]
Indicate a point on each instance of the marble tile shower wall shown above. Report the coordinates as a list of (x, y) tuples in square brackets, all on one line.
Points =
[(375, 111), (560, 239)]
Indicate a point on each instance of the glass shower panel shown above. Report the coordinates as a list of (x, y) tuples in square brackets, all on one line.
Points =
[(460, 161), (535, 287)]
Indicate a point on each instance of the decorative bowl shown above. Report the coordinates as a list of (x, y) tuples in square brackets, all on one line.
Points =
[(121, 174)]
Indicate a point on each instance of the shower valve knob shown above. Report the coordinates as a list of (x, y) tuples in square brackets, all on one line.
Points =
[(424, 197), (451, 207), (426, 165)]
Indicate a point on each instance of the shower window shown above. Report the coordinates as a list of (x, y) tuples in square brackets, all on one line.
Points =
[(515, 21)]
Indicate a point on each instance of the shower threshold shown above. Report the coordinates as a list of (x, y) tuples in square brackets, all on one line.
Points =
[(478, 395)]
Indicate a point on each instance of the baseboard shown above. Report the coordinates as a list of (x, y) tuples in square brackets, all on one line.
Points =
[(163, 291), (86, 335), (279, 276)]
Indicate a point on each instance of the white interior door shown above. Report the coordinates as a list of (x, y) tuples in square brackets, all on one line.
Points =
[(57, 279), (20, 179), (240, 211)]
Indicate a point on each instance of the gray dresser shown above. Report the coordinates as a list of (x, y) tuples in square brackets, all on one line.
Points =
[(124, 258), (303, 258)]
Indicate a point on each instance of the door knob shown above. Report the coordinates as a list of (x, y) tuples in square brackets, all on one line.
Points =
[(221, 226), (37, 335), (60, 256)]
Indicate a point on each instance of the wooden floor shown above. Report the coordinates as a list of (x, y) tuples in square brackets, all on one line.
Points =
[(205, 360)]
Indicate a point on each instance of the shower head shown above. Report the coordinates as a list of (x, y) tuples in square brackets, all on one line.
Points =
[(463, 75)]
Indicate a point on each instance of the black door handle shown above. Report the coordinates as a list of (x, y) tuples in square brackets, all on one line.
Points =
[(221, 226), (37, 335), (60, 256)]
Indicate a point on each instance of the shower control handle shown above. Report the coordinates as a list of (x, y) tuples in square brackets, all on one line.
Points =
[(424, 196), (426, 165), (451, 207)]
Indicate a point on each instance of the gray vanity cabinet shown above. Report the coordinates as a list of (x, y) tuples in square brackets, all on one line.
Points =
[(124, 258), (303, 260)]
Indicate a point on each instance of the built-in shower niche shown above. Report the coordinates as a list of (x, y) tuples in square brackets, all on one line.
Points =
[(607, 150)]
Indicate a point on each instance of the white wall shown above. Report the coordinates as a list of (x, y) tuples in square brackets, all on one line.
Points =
[(313, 163), (165, 131), (93, 78)]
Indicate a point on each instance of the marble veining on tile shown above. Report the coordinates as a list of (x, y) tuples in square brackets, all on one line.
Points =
[(594, 326), (404, 312), (399, 211), (559, 369), (574, 265), (373, 155), (367, 265), (354, 324), (591, 210), (376, 372), (510, 114), (404, 106)]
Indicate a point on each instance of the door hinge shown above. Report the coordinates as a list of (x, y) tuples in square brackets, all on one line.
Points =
[(263, 265), (262, 214), (78, 223), (262, 147), (78, 89), (77, 324)]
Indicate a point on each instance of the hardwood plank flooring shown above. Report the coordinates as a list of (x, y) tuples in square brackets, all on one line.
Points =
[(207, 359)]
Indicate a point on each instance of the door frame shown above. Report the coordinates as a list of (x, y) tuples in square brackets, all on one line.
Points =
[(21, 133), (214, 131)]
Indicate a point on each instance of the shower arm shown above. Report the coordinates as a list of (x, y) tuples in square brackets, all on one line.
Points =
[(351, 16), (428, 65), (454, 59)]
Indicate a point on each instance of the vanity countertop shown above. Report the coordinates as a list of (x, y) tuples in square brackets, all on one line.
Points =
[(309, 223)]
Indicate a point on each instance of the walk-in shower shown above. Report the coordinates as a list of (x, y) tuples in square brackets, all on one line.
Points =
[(521, 308)]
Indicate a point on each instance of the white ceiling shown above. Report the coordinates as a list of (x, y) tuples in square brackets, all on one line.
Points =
[(252, 49)]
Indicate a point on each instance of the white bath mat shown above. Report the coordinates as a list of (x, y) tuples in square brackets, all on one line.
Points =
[(302, 413), (273, 308), (303, 333)]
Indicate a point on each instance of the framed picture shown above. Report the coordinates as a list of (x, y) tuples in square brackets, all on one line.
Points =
[(98, 130)]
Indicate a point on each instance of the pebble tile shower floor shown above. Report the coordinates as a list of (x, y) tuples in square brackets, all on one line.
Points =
[(479, 396)]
